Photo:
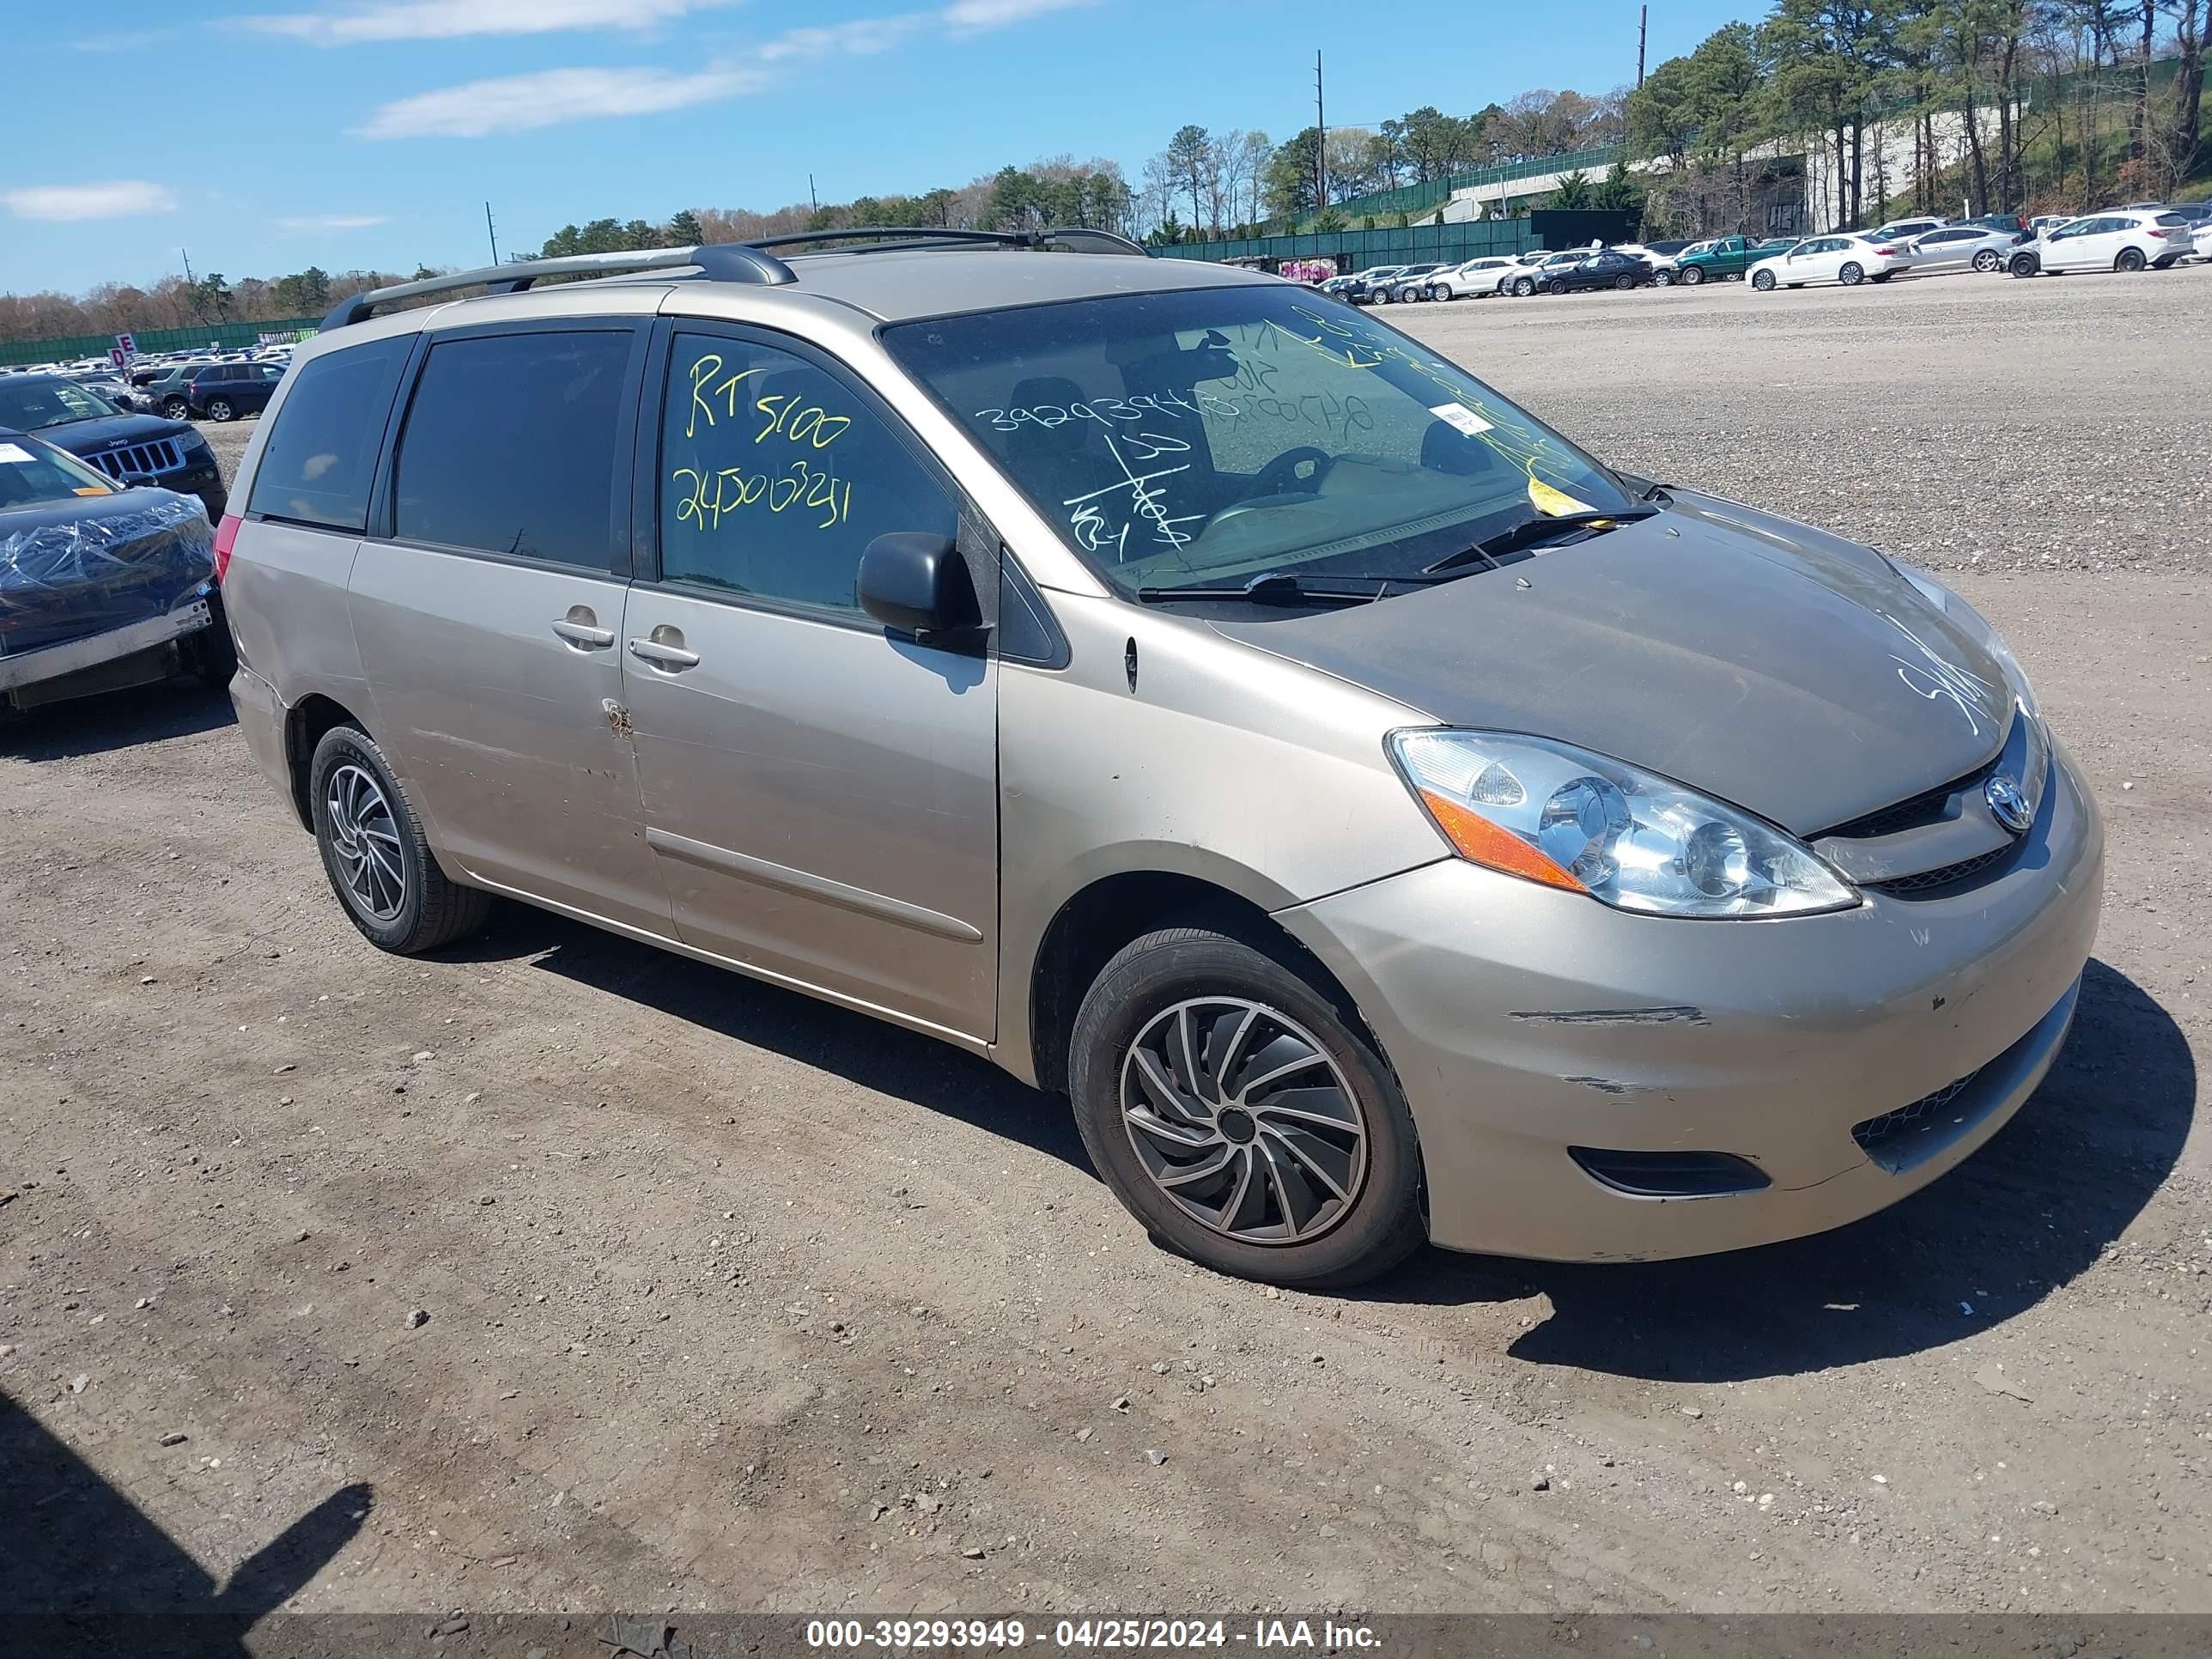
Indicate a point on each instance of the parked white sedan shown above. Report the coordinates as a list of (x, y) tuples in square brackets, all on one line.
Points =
[(1957, 247), (1849, 258)]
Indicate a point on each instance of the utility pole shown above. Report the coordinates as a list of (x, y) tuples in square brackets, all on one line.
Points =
[(813, 200), (1643, 28), (492, 231), (1321, 142), (188, 266)]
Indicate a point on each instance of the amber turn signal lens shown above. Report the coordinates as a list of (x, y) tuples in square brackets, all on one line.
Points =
[(1481, 842)]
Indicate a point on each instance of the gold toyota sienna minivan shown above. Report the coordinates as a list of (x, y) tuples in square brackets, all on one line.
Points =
[(1382, 819)]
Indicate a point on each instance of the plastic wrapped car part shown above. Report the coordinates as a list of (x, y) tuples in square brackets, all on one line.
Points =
[(82, 567)]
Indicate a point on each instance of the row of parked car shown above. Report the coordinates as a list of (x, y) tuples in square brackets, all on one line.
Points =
[(183, 385), (2154, 235)]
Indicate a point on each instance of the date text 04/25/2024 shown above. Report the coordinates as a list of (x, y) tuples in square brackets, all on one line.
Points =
[(1102, 1634)]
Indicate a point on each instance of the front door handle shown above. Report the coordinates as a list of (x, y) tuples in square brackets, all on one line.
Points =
[(582, 633), (661, 655)]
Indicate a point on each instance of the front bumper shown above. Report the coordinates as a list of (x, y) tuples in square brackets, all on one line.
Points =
[(1522, 1021), (47, 674)]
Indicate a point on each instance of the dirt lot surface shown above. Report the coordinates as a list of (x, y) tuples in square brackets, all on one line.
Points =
[(734, 1300)]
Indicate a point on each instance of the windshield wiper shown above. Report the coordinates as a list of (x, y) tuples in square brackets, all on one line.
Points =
[(1530, 532), (1279, 588)]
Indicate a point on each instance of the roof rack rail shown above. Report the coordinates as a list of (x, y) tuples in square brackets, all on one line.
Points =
[(1071, 237), (723, 262)]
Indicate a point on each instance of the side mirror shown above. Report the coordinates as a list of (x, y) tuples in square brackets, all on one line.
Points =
[(917, 583)]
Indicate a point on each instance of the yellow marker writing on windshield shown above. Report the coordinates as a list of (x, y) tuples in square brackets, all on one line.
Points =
[(1547, 500)]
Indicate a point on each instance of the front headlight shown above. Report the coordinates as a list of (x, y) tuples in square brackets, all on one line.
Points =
[(1992, 642), (1552, 814)]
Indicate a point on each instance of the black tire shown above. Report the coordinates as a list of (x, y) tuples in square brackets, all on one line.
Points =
[(177, 410), (2131, 260), (219, 408), (1852, 274), (209, 656), (1624, 283), (2024, 264), (433, 910), (1382, 1223), (1881, 276), (1763, 281), (1692, 276)]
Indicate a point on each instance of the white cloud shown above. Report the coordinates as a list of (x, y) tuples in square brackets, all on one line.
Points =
[(860, 38), (450, 20), (115, 199), (517, 103), (328, 222), (975, 17)]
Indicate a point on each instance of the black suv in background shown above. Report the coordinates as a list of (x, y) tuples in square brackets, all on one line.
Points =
[(223, 391), (128, 448)]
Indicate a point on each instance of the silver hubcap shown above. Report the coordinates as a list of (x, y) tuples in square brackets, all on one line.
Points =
[(1242, 1120), (365, 839)]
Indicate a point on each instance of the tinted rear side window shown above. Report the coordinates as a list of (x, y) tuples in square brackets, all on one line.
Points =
[(319, 459), (510, 446)]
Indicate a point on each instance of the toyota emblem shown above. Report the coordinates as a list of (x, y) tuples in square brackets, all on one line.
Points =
[(2008, 805)]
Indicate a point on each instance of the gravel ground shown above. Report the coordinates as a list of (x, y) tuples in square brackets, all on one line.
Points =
[(554, 1273)]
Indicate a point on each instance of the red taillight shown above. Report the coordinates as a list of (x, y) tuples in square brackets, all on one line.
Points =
[(1886, 253), (2159, 233), (226, 536)]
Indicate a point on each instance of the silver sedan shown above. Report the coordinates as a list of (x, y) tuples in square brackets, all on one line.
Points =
[(1957, 247)]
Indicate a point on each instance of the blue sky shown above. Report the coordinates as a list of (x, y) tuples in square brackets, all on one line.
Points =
[(349, 133)]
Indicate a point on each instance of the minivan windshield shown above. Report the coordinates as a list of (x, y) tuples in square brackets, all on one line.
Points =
[(1204, 437)]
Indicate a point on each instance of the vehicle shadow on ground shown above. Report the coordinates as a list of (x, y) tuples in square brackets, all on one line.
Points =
[(2023, 1216), (115, 719), (858, 1047), (85, 1565)]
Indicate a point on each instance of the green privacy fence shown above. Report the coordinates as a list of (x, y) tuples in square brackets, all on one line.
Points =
[(1356, 249), (226, 335), (1420, 199)]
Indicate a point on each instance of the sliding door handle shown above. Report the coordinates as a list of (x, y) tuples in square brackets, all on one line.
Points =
[(663, 656)]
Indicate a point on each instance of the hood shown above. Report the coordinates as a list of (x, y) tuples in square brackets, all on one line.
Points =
[(1768, 663), (84, 437)]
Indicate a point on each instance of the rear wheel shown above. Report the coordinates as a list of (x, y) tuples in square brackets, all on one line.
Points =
[(1852, 275), (1986, 260), (374, 851), (2131, 260), (219, 408), (1692, 276), (1624, 282), (1242, 1116), (1763, 281), (1662, 279)]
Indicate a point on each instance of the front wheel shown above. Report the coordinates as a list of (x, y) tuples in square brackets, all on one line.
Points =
[(1763, 281), (1693, 276), (1239, 1112), (1522, 287), (2131, 260), (1852, 275), (1440, 294), (177, 409), (374, 852), (2023, 264)]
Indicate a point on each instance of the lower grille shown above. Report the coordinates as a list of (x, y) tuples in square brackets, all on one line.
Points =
[(1883, 1137), (1947, 875), (1670, 1174), (145, 460)]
